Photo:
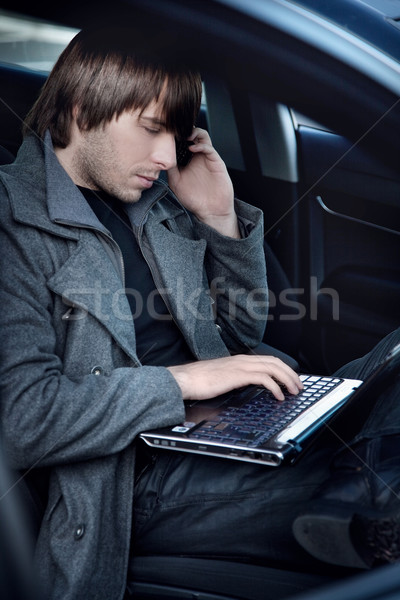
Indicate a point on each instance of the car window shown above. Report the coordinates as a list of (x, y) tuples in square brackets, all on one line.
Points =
[(31, 43)]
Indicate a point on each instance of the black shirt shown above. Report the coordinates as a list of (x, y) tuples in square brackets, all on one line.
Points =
[(159, 341)]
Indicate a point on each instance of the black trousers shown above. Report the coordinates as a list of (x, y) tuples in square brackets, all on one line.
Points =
[(192, 505)]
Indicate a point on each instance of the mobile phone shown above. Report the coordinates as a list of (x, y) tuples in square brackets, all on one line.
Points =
[(183, 155)]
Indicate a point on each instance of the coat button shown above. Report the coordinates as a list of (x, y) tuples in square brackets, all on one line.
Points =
[(96, 370), (79, 531), (219, 328)]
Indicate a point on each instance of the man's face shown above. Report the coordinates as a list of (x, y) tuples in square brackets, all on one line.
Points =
[(124, 156)]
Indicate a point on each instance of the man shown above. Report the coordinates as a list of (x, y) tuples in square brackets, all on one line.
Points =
[(113, 317)]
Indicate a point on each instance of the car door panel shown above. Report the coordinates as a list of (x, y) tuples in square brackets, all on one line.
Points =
[(351, 222)]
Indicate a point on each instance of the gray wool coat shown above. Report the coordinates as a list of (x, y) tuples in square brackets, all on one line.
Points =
[(74, 394)]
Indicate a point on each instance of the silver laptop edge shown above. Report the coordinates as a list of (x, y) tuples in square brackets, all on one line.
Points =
[(318, 411)]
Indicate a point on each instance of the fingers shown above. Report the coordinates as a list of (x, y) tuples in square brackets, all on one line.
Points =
[(273, 374), (199, 135), (285, 375), (205, 379), (201, 142)]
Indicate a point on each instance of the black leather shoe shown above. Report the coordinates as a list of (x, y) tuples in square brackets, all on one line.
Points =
[(354, 518)]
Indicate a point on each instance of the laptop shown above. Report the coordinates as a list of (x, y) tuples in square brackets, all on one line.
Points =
[(250, 425)]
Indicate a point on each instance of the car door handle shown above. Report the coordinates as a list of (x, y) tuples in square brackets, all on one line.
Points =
[(334, 213)]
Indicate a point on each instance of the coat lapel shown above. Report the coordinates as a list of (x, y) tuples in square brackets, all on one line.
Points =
[(179, 263), (90, 281)]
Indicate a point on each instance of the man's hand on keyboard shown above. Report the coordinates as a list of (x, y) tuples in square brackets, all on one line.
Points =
[(208, 378)]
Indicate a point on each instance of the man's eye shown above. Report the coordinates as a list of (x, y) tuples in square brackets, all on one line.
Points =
[(152, 131)]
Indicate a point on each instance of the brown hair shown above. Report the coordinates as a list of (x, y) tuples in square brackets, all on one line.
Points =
[(106, 72)]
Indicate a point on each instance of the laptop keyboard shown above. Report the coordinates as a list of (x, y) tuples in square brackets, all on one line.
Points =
[(262, 416)]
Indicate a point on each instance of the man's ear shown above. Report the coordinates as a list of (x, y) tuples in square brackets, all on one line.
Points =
[(76, 112)]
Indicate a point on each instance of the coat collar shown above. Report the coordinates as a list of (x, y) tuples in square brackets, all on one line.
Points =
[(25, 180)]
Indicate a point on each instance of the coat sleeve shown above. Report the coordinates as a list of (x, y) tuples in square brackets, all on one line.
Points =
[(48, 417), (237, 278)]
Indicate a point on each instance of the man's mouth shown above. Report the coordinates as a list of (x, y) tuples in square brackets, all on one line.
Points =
[(146, 182)]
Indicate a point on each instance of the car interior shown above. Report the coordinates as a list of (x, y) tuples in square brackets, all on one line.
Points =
[(331, 237), (332, 242)]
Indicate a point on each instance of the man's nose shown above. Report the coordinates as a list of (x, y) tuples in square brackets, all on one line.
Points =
[(164, 154)]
